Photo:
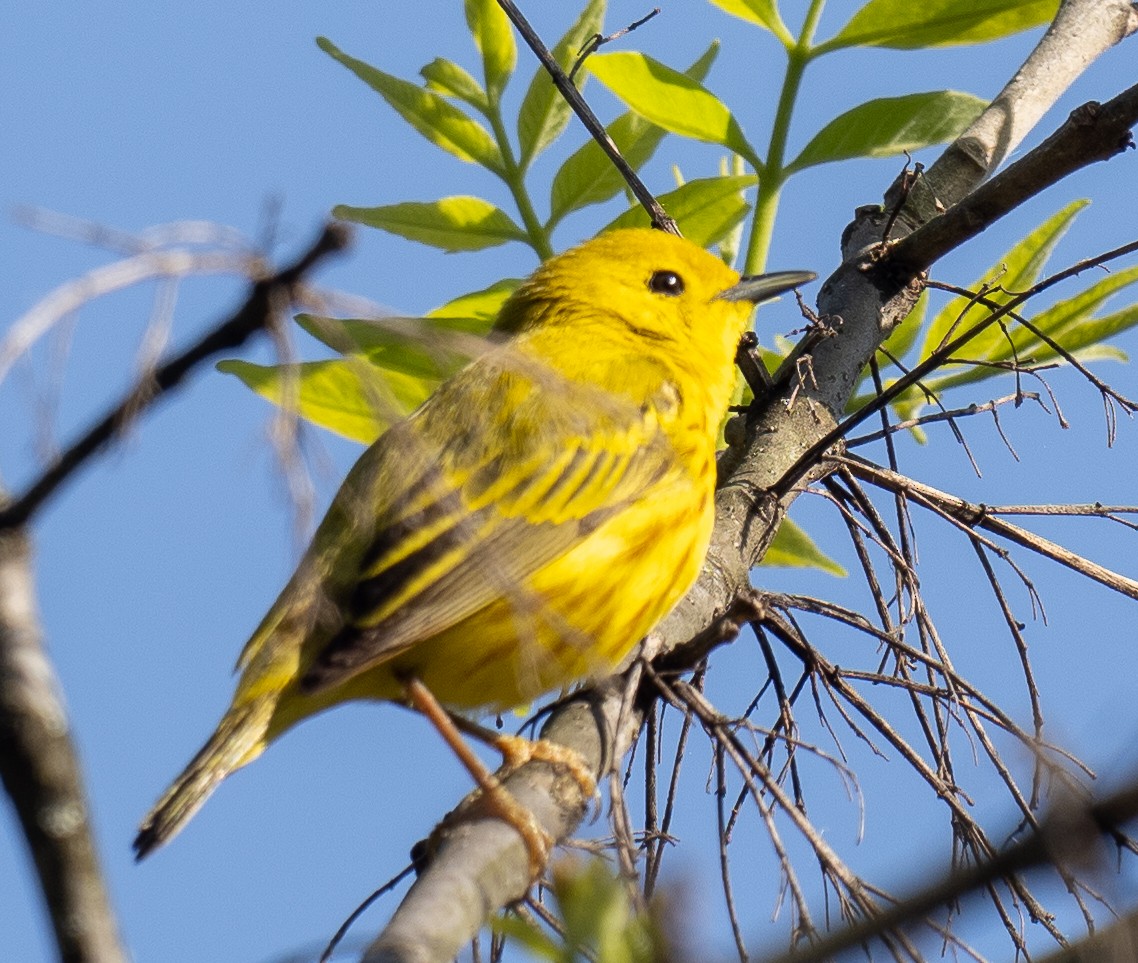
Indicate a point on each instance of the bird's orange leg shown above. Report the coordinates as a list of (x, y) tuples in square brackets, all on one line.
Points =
[(494, 796)]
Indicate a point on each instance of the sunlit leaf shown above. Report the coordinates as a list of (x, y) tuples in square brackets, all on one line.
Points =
[(670, 100), (348, 396), (480, 306), (706, 210), (908, 25), (1085, 336), (589, 177), (426, 349), (599, 921), (433, 116), (459, 223), (792, 547), (494, 36), (544, 112), (1070, 323), (446, 77), (529, 936), (761, 12), (890, 126), (1017, 270)]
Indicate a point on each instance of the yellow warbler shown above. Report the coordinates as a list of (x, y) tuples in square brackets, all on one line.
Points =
[(527, 525)]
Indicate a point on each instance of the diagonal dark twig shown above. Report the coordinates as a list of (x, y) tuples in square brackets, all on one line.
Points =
[(583, 111), (264, 303)]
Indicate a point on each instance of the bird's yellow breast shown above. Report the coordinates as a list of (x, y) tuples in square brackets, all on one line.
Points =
[(574, 619)]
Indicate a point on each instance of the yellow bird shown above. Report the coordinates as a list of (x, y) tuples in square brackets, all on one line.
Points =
[(527, 525)]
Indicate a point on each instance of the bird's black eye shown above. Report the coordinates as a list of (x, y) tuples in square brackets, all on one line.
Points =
[(666, 282)]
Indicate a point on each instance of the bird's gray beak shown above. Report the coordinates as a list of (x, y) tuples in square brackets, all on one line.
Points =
[(763, 287)]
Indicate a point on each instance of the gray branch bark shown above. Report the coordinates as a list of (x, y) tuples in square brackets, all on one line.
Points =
[(482, 867), (42, 775)]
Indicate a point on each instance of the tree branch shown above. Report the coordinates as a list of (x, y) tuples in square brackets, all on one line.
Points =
[(978, 516), (262, 305), (870, 303), (38, 763), (584, 112), (1071, 834), (1081, 32), (41, 774), (1093, 132)]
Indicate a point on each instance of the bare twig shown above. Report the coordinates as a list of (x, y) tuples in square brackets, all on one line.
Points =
[(596, 41), (976, 408), (976, 516), (1068, 835), (144, 266), (258, 311), (581, 108)]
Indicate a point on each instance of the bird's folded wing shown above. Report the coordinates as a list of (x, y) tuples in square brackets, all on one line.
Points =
[(467, 533)]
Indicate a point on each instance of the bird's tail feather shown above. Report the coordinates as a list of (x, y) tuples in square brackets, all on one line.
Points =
[(239, 739)]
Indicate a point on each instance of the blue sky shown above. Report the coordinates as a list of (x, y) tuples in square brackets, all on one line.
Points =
[(158, 560)]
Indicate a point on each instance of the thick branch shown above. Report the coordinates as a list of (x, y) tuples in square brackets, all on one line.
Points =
[(481, 864), (1081, 31), (41, 773), (38, 763), (1093, 132), (797, 417)]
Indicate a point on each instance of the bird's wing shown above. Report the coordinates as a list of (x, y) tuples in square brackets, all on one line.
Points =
[(474, 525)]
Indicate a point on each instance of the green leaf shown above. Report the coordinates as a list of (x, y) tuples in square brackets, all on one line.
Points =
[(528, 935), (544, 112), (908, 25), (1084, 335), (460, 223), (761, 12), (346, 395), (706, 209), (479, 306), (792, 547), (588, 176), (599, 921), (1017, 270), (670, 100), (1070, 323), (426, 349), (443, 124), (494, 37), (446, 77), (890, 126)]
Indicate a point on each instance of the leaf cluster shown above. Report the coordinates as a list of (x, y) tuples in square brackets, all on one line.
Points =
[(384, 371)]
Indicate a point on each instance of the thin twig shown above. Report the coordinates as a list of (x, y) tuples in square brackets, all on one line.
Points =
[(1067, 834), (256, 313), (596, 41), (355, 914), (810, 457), (573, 98), (976, 516)]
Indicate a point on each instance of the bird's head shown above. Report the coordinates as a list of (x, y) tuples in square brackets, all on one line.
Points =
[(650, 285)]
